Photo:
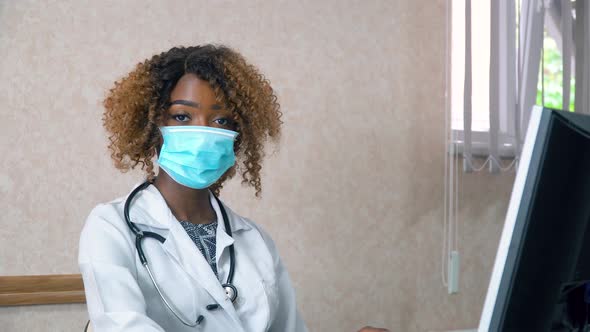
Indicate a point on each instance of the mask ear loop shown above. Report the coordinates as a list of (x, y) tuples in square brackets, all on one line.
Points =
[(160, 143), (158, 134)]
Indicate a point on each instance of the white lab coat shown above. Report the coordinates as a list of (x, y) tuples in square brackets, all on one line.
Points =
[(121, 297)]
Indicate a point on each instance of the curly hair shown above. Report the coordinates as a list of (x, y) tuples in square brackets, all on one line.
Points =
[(136, 105)]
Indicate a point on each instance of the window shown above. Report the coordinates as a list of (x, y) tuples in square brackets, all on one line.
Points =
[(549, 91)]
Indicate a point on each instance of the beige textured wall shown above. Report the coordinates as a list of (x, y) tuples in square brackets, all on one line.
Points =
[(353, 197)]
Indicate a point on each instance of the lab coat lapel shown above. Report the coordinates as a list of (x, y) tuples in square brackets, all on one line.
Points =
[(222, 255), (223, 239), (197, 267), (149, 210)]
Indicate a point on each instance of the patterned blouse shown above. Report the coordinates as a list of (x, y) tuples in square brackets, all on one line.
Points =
[(203, 235)]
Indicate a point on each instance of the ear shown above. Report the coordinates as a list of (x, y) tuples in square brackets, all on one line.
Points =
[(158, 149)]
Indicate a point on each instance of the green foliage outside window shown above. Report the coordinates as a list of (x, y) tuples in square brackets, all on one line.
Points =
[(553, 77)]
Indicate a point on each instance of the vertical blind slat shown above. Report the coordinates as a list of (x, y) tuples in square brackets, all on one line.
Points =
[(582, 66), (532, 20), (566, 42), (494, 87), (467, 167)]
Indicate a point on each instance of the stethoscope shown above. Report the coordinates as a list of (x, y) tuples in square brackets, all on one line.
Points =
[(231, 291)]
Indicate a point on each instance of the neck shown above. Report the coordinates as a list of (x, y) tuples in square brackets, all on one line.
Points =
[(186, 203)]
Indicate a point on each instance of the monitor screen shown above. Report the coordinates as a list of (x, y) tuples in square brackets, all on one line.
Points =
[(542, 264)]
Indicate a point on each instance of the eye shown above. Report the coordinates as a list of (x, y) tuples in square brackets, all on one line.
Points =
[(224, 122), (181, 117)]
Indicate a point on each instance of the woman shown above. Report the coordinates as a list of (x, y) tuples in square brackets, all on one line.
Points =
[(169, 256)]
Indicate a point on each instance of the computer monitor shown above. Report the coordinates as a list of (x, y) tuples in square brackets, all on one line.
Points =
[(544, 252)]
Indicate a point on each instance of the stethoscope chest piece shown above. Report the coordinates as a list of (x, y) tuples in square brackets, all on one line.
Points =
[(231, 293)]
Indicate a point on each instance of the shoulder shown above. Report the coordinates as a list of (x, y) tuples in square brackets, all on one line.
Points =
[(254, 230), (105, 214), (265, 236), (107, 209), (104, 231), (111, 213), (239, 223)]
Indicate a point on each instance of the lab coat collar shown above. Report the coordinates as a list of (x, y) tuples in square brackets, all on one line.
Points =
[(150, 209)]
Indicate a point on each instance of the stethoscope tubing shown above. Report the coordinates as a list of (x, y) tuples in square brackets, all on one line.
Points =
[(149, 271)]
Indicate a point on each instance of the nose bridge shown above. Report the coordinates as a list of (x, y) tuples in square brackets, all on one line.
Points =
[(200, 119)]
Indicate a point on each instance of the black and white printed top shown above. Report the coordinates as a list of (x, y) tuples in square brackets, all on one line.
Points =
[(203, 235)]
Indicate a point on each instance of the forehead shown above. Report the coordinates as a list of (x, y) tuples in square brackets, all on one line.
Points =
[(191, 87)]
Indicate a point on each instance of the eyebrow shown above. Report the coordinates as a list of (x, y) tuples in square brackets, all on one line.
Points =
[(193, 104)]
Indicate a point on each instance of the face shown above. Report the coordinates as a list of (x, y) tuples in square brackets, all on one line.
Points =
[(193, 104)]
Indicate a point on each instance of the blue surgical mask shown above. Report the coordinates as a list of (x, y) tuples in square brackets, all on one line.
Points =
[(196, 156)]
